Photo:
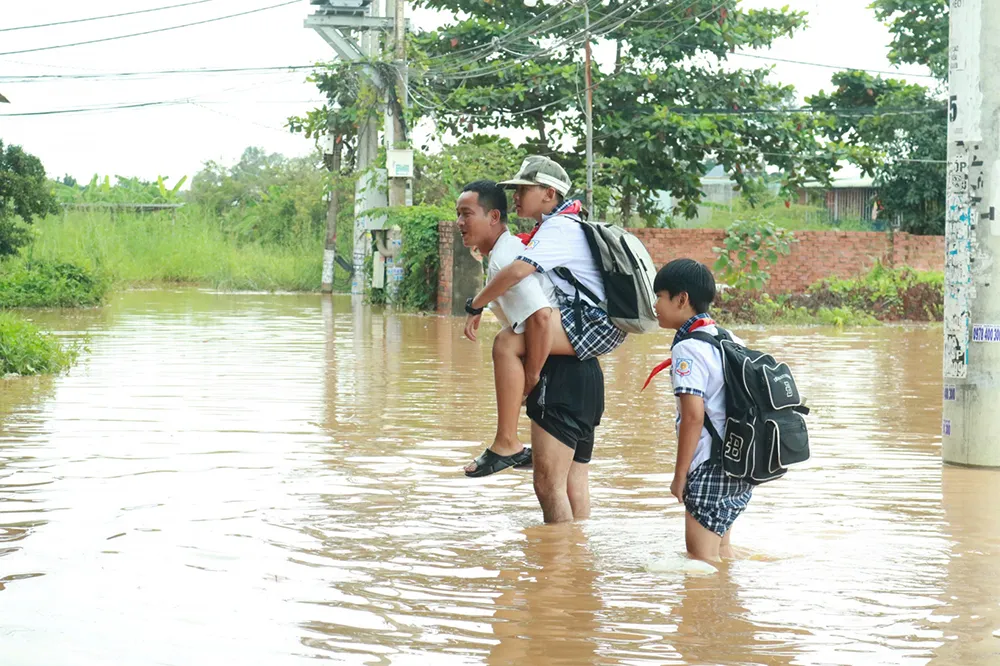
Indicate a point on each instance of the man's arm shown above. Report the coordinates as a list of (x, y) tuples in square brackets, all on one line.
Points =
[(692, 421), (508, 276), (537, 345)]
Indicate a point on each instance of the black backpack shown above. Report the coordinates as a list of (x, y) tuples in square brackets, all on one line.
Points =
[(765, 431)]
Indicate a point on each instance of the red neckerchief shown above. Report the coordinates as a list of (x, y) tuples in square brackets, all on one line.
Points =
[(666, 364), (528, 235), (572, 207)]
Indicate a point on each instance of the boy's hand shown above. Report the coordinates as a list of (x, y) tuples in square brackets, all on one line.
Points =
[(472, 325), (677, 487), (530, 381)]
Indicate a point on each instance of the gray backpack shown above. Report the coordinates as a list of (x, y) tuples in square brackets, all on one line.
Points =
[(628, 273)]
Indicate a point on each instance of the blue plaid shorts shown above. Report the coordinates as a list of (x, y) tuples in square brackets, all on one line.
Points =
[(715, 499), (598, 337)]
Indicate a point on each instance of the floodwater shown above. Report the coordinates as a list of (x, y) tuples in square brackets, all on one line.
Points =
[(274, 479)]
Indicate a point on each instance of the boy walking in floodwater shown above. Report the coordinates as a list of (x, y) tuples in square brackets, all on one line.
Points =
[(685, 289)]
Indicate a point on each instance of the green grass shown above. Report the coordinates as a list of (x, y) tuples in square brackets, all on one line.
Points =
[(136, 250), (25, 350), (794, 218), (49, 284)]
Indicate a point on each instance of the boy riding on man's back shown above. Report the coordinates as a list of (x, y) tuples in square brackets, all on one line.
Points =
[(713, 500), (579, 327)]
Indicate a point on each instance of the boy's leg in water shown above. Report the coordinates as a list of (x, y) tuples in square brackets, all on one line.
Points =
[(726, 550), (702, 543), (509, 350), (553, 461)]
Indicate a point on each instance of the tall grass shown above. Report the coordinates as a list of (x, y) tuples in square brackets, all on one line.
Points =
[(193, 248)]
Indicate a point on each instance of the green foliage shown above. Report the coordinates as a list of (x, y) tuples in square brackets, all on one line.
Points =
[(441, 177), (661, 109), (919, 32), (125, 190), (898, 133), (751, 248), (267, 198), (419, 257), (49, 284), (24, 350), (753, 307), (888, 294), (24, 194), (134, 250)]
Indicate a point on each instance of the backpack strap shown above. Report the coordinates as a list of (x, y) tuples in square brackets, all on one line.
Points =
[(567, 274), (715, 341)]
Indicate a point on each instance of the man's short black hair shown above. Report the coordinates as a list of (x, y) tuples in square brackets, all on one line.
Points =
[(687, 275), (491, 196)]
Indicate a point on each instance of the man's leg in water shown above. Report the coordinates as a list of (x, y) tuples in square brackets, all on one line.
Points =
[(509, 349), (578, 489), (553, 462)]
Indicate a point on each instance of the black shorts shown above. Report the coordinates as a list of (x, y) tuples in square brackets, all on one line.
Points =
[(568, 402)]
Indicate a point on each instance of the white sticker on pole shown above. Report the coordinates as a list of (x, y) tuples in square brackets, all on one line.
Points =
[(965, 97), (959, 289), (329, 256)]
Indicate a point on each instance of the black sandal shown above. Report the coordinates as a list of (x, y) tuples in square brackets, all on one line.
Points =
[(490, 463)]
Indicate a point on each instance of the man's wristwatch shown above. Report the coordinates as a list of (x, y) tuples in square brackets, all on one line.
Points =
[(471, 310)]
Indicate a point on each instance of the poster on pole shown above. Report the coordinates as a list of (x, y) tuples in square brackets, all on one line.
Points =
[(958, 283)]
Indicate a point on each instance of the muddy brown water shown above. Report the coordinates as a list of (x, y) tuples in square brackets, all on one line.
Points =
[(274, 479)]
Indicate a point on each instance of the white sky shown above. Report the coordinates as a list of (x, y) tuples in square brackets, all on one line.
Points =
[(232, 111)]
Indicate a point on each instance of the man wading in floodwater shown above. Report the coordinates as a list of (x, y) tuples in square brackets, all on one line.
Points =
[(566, 399)]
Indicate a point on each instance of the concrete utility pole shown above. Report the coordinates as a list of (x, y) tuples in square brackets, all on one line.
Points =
[(971, 421), (590, 110), (397, 185), (352, 28), (332, 156)]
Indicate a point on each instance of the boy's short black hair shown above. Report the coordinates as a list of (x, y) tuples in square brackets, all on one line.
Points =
[(491, 196), (687, 275)]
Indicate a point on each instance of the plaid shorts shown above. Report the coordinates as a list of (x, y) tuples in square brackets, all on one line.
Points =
[(715, 499), (598, 337)]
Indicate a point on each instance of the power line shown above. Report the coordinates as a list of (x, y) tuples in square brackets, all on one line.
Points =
[(482, 71), (838, 67), (106, 16), (27, 78), (149, 32), (142, 105), (116, 107)]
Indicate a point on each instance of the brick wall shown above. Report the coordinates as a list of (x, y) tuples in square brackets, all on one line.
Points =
[(816, 255), (446, 253)]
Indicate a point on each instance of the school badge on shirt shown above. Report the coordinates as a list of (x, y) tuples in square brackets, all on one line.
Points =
[(683, 366), (533, 244)]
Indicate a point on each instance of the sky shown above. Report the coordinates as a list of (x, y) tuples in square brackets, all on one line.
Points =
[(214, 117)]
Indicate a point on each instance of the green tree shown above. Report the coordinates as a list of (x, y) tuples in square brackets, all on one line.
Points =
[(659, 114), (919, 32), (264, 197), (441, 177), (24, 193), (899, 132)]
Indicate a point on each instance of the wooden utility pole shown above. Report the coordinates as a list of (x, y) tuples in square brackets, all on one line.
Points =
[(971, 421)]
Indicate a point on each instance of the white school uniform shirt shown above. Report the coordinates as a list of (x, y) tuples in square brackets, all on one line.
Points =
[(526, 297), (560, 241), (696, 369)]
